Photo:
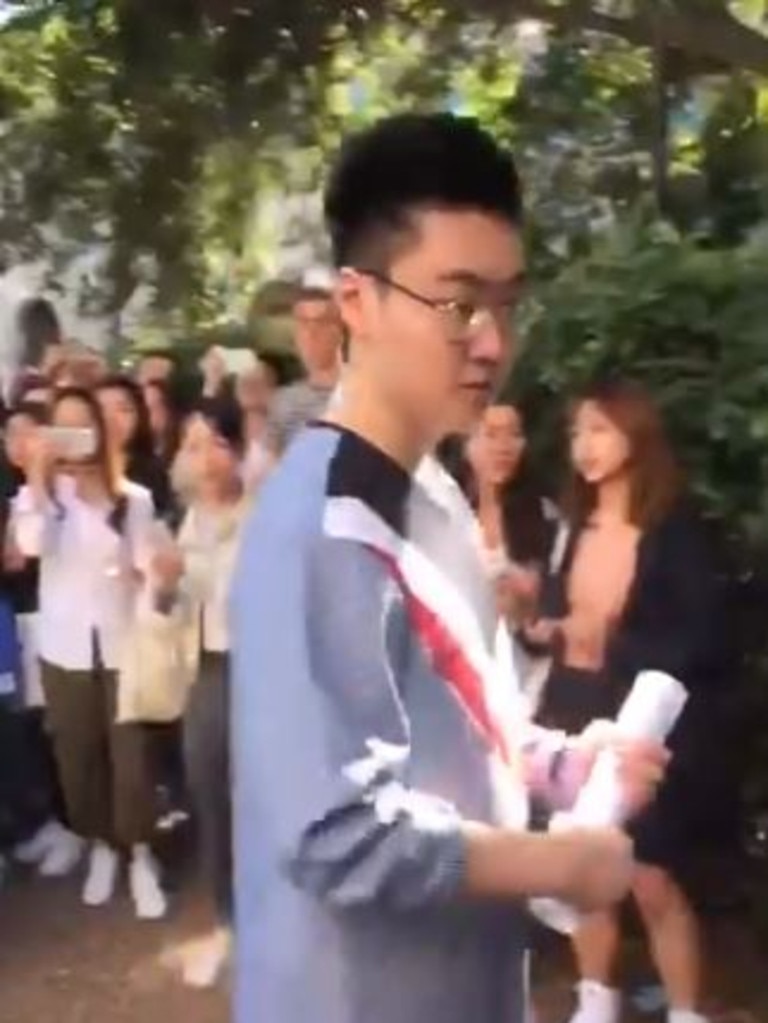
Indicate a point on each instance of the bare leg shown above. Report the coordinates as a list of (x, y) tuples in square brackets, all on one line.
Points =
[(596, 946), (673, 934)]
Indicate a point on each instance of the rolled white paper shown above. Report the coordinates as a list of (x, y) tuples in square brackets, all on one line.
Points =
[(649, 712)]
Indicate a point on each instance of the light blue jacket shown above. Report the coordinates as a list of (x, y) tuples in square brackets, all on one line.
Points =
[(355, 763)]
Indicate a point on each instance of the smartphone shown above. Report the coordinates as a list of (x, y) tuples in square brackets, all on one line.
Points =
[(71, 443)]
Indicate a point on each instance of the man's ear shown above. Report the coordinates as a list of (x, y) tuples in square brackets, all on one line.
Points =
[(350, 301)]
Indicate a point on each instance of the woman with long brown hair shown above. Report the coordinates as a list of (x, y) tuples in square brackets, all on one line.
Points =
[(164, 419), (637, 589), (91, 530)]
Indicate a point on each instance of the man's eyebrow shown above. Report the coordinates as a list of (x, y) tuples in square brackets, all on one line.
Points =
[(471, 279)]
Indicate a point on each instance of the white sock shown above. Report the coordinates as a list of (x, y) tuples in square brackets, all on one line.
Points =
[(685, 1016), (597, 1003)]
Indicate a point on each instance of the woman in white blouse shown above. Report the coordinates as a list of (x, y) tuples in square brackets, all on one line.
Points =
[(91, 531), (194, 580)]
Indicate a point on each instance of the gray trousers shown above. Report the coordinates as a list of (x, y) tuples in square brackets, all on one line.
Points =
[(206, 751)]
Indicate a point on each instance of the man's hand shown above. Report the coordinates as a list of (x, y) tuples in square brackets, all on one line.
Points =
[(642, 764), (597, 867), (590, 868)]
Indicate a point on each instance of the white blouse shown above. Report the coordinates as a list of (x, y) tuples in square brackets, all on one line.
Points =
[(89, 572)]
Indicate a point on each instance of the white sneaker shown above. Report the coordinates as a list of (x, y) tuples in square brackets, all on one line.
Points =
[(597, 1004), (36, 848), (148, 897), (63, 856), (205, 960), (102, 876)]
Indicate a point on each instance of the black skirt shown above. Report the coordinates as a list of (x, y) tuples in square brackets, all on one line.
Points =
[(663, 833)]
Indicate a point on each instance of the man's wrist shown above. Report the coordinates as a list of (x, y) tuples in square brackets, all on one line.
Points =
[(514, 864)]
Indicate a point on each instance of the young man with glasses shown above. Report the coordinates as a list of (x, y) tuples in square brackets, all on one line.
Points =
[(381, 768)]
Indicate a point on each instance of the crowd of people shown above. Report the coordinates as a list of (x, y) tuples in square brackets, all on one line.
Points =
[(124, 531), (122, 504)]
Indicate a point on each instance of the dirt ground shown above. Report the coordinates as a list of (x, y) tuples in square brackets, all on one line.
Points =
[(62, 963)]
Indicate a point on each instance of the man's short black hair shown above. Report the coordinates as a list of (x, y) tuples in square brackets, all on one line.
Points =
[(408, 162)]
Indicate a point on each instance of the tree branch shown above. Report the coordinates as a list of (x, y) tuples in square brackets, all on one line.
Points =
[(715, 36)]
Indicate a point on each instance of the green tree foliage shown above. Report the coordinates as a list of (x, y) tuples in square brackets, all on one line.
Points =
[(153, 127)]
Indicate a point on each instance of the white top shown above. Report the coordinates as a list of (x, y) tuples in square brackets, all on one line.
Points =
[(89, 573)]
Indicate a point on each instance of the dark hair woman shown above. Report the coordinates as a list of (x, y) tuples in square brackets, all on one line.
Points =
[(515, 517), (131, 439), (518, 526), (638, 590), (210, 462), (163, 419)]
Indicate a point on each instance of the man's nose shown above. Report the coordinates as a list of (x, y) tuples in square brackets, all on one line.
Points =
[(493, 342)]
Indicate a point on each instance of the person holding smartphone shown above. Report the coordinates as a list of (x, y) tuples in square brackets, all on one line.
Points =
[(43, 840), (90, 529)]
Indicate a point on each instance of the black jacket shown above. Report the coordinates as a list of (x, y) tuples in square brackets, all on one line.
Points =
[(674, 617), (674, 620)]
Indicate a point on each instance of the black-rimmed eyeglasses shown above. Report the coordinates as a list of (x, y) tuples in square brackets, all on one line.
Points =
[(462, 319)]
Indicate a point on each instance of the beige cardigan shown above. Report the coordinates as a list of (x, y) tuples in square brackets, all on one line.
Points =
[(210, 551), (162, 658)]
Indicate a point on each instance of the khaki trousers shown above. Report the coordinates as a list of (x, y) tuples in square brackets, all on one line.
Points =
[(103, 767)]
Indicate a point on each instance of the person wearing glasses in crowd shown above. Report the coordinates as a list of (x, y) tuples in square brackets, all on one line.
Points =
[(381, 771), (319, 339)]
